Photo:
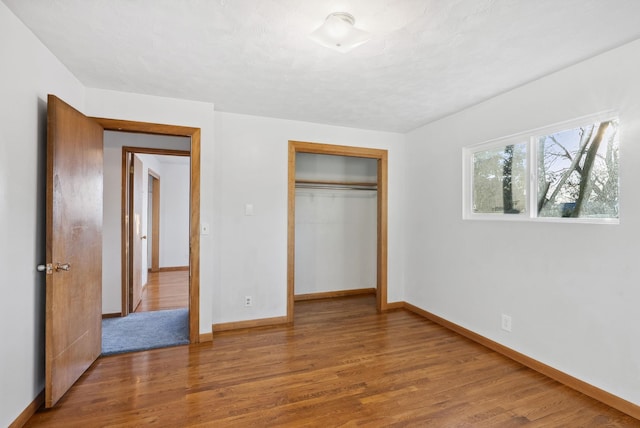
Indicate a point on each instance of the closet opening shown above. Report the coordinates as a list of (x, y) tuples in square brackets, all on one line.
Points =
[(337, 223)]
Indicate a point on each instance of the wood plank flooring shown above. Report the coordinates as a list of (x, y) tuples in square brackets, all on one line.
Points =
[(165, 290), (341, 364)]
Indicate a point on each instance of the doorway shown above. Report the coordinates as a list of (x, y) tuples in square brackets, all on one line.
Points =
[(141, 239), (194, 214), (156, 303), (380, 156)]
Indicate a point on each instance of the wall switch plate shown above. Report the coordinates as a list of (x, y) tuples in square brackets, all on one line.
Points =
[(204, 228), (506, 322), (248, 209)]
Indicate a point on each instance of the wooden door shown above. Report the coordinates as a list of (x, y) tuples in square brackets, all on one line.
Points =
[(73, 332), (136, 233)]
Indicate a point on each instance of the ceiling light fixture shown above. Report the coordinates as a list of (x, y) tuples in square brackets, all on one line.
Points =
[(338, 33)]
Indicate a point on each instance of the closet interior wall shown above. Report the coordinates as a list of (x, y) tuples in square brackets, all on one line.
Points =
[(336, 223)]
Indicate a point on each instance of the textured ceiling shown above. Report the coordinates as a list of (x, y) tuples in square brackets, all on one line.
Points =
[(427, 58)]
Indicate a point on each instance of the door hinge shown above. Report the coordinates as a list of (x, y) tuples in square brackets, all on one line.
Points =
[(131, 169)]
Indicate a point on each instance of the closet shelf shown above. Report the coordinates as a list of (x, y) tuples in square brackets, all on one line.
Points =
[(336, 185)]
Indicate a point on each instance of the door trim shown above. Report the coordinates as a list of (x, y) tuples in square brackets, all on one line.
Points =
[(155, 223), (134, 173), (194, 205), (327, 149)]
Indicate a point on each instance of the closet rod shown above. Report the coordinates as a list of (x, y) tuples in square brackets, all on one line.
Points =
[(338, 182), (336, 186)]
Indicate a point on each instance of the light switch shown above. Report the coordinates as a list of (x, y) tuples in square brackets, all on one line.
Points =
[(248, 209), (204, 228)]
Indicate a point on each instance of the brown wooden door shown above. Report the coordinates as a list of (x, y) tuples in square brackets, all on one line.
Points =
[(136, 234), (73, 337)]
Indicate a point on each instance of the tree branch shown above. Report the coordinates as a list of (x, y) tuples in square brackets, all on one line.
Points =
[(588, 166), (565, 176)]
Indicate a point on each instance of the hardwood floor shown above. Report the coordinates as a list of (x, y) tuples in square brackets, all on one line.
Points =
[(165, 290), (341, 364)]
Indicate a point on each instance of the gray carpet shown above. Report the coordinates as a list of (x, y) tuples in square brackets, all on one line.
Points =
[(145, 330)]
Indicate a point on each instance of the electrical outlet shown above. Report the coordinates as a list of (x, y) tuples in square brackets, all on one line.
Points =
[(248, 301), (506, 322)]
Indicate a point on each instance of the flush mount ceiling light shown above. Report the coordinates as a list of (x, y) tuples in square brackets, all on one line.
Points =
[(338, 33)]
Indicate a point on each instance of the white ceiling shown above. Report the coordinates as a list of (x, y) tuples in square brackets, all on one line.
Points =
[(427, 58)]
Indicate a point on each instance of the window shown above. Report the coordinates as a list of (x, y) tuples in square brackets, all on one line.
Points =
[(500, 179), (567, 172)]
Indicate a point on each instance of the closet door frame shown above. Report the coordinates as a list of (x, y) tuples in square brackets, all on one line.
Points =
[(361, 152)]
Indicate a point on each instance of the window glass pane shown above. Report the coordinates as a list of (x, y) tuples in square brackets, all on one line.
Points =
[(499, 180), (578, 172)]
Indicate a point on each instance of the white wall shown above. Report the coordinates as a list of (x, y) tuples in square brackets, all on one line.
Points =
[(251, 168), (312, 166), (28, 73), (336, 229), (174, 218), (174, 173), (572, 289), (112, 207)]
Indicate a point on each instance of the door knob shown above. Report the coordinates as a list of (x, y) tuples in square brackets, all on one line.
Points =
[(48, 268), (143, 237)]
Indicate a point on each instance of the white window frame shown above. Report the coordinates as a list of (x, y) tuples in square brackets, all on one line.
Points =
[(530, 138), (467, 203)]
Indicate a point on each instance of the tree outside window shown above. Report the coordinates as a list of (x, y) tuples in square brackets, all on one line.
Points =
[(499, 180), (578, 172), (574, 174)]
